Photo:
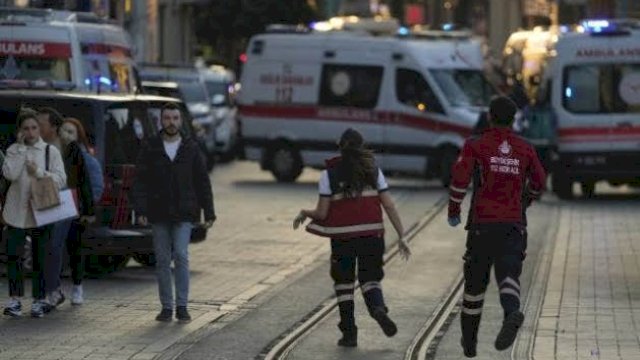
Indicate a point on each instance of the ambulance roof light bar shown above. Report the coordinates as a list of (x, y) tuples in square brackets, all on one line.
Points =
[(26, 15)]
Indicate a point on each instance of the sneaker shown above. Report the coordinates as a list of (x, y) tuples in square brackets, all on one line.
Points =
[(349, 336), (77, 295), (37, 308), (509, 331), (388, 326), (165, 315), (57, 298), (14, 308), (468, 349), (182, 314), (47, 306)]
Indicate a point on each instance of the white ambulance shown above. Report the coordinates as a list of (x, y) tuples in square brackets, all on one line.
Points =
[(71, 50), (414, 100), (594, 91)]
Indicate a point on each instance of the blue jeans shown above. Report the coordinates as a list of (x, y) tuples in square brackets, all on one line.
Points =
[(53, 257), (171, 242)]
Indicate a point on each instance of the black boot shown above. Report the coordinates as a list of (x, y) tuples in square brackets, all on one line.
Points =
[(470, 325), (389, 328), (509, 331), (349, 335)]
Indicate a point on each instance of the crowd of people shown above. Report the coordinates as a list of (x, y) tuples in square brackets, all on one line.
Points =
[(47, 145), (52, 147)]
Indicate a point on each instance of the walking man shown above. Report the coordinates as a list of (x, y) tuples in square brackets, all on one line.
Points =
[(497, 229), (171, 189)]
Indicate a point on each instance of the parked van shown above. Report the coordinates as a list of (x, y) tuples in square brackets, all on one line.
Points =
[(594, 91), (71, 50), (220, 83), (414, 100)]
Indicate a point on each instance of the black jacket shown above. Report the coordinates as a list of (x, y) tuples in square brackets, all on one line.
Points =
[(172, 191), (78, 177)]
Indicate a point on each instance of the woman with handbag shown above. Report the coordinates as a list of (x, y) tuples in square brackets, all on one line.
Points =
[(29, 161), (353, 192), (68, 232)]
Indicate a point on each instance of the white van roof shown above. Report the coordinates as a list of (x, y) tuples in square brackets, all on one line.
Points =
[(445, 54)]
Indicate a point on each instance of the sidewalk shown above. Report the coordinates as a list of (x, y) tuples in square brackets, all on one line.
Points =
[(591, 308)]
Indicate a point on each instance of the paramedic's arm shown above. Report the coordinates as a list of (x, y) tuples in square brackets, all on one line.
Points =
[(322, 207), (537, 177), (392, 213), (460, 177)]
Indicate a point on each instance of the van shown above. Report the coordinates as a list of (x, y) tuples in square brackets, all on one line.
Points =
[(220, 83), (415, 100), (73, 51), (117, 125), (593, 85)]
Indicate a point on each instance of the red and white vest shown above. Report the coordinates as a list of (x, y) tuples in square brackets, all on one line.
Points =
[(349, 218)]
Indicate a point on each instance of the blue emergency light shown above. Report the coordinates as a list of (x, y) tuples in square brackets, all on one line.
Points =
[(597, 26)]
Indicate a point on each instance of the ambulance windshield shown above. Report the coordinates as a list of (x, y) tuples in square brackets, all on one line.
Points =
[(34, 68), (464, 87)]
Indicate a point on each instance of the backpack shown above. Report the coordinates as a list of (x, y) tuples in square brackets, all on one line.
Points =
[(94, 169)]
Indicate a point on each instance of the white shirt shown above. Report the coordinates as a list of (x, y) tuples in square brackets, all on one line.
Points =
[(17, 211), (171, 148), (324, 186)]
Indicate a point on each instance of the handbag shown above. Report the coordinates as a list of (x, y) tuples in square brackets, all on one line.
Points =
[(67, 209), (44, 192)]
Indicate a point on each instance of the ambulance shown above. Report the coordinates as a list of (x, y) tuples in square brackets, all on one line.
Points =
[(594, 90), (415, 100), (69, 50)]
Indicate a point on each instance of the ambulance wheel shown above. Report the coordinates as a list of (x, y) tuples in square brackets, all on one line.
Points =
[(448, 156), (285, 162), (563, 188), (588, 188)]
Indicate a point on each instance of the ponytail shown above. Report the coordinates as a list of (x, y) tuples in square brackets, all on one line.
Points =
[(357, 166)]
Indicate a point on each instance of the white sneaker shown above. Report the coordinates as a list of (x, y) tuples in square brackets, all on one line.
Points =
[(37, 308), (76, 295), (14, 308)]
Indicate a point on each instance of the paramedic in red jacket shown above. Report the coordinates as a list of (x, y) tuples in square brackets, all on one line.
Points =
[(505, 163), (353, 192)]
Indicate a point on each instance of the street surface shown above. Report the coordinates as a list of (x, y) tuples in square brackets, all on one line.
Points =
[(255, 281)]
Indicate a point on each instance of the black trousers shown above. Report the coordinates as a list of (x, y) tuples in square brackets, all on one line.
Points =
[(500, 245), (15, 250), (367, 255)]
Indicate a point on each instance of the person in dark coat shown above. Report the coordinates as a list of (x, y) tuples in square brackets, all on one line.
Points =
[(171, 189)]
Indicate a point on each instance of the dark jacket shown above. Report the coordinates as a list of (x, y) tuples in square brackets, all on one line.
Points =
[(172, 191), (78, 177)]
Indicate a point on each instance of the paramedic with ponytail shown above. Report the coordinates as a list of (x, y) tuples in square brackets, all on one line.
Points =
[(353, 192)]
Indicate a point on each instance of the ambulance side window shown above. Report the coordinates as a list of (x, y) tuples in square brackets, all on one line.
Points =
[(413, 90), (351, 86)]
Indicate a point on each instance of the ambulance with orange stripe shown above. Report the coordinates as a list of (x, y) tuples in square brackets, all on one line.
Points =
[(415, 100), (68, 50), (594, 85)]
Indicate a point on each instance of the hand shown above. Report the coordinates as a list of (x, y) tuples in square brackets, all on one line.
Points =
[(142, 220), (87, 219), (20, 138), (299, 220), (208, 224), (32, 168), (405, 252), (454, 221)]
